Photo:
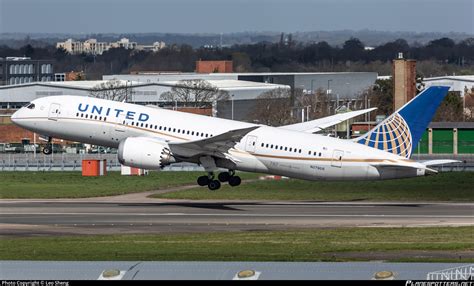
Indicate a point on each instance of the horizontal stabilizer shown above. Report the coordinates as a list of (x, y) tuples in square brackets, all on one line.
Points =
[(439, 162)]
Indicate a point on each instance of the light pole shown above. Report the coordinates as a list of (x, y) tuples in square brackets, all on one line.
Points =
[(328, 91), (232, 98)]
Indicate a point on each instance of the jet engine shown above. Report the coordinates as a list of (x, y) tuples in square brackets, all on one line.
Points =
[(145, 153)]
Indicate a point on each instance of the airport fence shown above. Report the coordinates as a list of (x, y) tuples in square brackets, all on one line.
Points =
[(73, 162), (70, 162)]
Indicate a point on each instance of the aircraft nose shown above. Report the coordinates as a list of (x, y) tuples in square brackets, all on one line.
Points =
[(14, 117)]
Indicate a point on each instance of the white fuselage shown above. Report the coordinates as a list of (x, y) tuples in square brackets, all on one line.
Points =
[(267, 149)]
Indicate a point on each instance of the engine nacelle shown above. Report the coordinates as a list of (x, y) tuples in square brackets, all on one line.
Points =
[(145, 153)]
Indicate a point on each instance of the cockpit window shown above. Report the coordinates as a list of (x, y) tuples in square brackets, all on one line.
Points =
[(31, 106)]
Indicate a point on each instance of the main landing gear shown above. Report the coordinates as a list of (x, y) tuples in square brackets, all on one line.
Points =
[(48, 149), (223, 177)]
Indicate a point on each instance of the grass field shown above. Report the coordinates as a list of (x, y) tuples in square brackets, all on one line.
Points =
[(454, 186), (73, 185), (300, 245)]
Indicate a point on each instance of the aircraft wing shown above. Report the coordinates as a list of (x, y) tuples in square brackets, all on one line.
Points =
[(316, 125), (215, 146)]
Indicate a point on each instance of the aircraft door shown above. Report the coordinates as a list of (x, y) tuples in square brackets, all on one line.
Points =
[(251, 143), (54, 111), (336, 160)]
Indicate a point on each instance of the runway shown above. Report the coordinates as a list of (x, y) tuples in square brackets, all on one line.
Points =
[(93, 216)]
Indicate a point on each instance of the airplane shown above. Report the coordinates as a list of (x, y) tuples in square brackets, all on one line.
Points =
[(152, 137)]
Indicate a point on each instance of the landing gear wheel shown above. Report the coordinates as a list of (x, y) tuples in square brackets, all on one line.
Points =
[(203, 181), (224, 176), (214, 185), (47, 150), (234, 181)]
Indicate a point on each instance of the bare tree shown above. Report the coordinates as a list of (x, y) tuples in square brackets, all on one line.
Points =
[(195, 93), (112, 90), (273, 108), (318, 103), (469, 104)]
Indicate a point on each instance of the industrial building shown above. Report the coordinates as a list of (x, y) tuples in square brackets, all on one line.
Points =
[(13, 97), (459, 84), (448, 138), (18, 70), (342, 85)]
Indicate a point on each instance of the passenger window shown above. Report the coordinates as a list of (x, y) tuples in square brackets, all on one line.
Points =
[(286, 148), (319, 154), (95, 117), (174, 129), (281, 147), (291, 149), (271, 146), (299, 151), (142, 125), (77, 114)]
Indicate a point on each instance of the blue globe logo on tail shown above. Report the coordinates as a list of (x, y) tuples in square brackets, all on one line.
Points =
[(393, 136), (399, 133)]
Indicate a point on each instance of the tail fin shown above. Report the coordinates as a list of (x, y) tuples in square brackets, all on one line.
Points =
[(401, 131)]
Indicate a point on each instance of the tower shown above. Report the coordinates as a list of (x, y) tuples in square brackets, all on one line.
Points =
[(404, 81)]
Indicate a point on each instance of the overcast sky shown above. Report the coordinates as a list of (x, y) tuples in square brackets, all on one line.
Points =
[(216, 16)]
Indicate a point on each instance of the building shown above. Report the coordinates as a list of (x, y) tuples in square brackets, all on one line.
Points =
[(214, 66), (342, 85), (457, 83), (18, 70), (155, 47), (447, 138), (404, 81), (13, 97), (92, 46)]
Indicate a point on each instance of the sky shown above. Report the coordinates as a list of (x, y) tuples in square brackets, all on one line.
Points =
[(227, 16)]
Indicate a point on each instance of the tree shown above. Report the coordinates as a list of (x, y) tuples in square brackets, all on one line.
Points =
[(319, 104), (112, 90), (469, 103), (380, 96), (353, 50), (195, 93), (450, 109), (273, 108)]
